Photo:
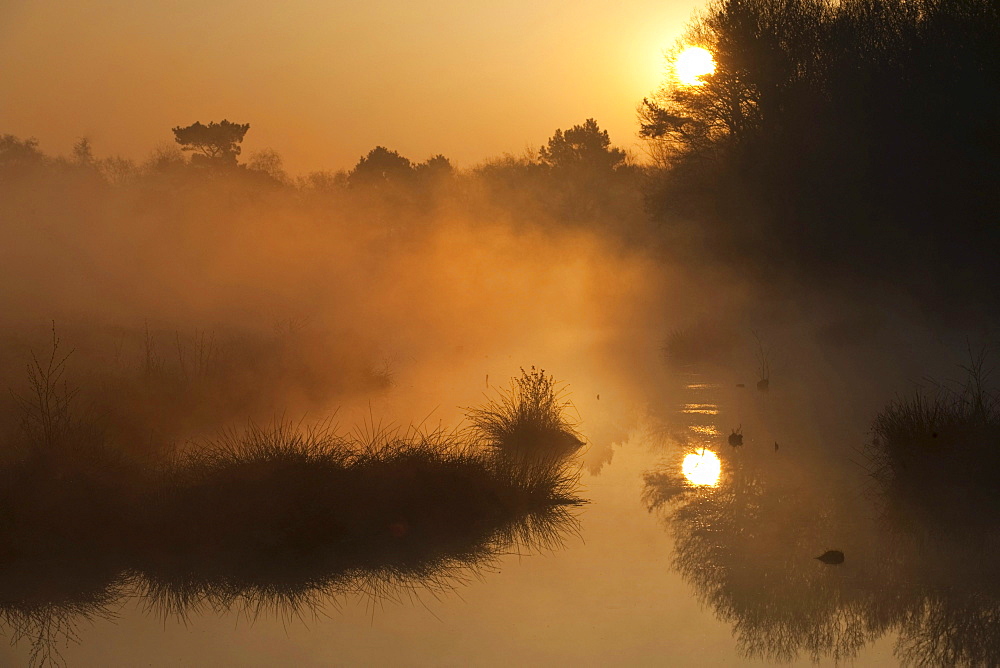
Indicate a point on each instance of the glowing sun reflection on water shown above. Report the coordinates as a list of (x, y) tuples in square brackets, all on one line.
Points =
[(702, 468)]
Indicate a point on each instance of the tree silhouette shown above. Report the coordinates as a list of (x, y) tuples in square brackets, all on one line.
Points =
[(857, 135), (19, 155), (83, 153), (582, 147), (437, 166), (766, 53), (269, 163), (380, 166), (215, 143)]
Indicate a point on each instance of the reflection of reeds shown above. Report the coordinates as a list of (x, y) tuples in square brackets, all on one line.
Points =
[(399, 508), (45, 601), (268, 518)]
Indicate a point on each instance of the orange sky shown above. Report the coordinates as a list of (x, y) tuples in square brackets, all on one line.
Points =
[(324, 82)]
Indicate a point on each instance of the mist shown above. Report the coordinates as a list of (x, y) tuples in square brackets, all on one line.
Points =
[(475, 393), (340, 287)]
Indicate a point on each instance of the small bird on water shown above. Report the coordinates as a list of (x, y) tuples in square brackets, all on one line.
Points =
[(832, 557)]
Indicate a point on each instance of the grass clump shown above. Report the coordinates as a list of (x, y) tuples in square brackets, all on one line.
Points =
[(527, 421), (267, 518), (276, 518), (934, 455)]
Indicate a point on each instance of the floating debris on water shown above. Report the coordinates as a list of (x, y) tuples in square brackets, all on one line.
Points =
[(832, 557)]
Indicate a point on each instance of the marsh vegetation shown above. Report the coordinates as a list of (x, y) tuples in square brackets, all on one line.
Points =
[(267, 518), (934, 456)]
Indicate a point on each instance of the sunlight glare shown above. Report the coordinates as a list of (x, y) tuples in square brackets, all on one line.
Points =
[(693, 63), (702, 468)]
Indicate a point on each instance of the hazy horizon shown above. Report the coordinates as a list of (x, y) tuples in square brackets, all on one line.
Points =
[(322, 85)]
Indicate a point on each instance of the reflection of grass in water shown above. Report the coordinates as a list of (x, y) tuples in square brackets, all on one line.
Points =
[(274, 516), (269, 519), (45, 601), (934, 456)]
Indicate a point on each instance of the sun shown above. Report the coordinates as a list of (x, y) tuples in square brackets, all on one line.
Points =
[(702, 468), (692, 64)]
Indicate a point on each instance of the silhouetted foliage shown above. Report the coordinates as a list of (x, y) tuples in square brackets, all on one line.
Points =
[(436, 167), (853, 135), (527, 421), (323, 181), (268, 163), (583, 147), (18, 156), (380, 166), (214, 144), (164, 159), (83, 153), (585, 172), (934, 458)]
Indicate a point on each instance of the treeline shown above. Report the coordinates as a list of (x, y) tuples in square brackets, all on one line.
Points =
[(578, 177), (856, 135)]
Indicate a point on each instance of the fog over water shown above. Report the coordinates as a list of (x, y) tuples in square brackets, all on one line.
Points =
[(377, 319), (716, 388)]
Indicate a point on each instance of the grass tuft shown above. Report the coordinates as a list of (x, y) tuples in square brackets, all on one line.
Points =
[(527, 421), (934, 455), (270, 518)]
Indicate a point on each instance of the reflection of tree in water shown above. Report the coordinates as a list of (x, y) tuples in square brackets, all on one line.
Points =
[(933, 458), (949, 629), (749, 545), (949, 612)]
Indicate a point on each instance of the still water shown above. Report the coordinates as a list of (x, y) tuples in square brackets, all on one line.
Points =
[(695, 547)]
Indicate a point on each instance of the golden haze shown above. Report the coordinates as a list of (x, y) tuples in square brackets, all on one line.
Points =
[(323, 83)]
